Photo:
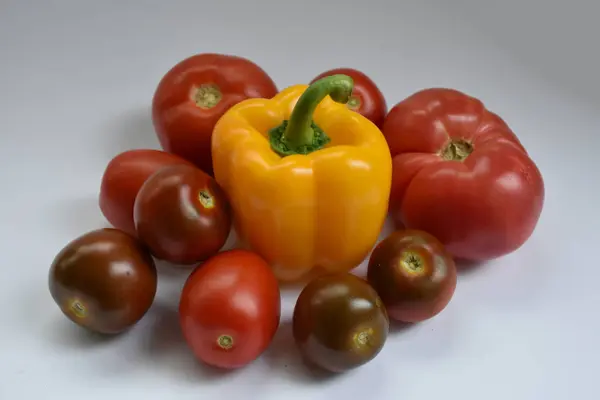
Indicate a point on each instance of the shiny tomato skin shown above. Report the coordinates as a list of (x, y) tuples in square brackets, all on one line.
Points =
[(413, 274), (104, 280), (122, 179), (366, 98), (230, 309), (461, 174), (182, 215), (339, 322), (185, 128)]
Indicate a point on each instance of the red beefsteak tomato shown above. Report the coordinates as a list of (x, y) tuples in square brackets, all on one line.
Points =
[(122, 179), (461, 174), (195, 93), (230, 308), (366, 98)]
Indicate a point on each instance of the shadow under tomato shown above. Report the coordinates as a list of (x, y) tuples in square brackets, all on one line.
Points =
[(173, 270), (67, 335), (434, 338), (234, 242), (284, 358), (164, 345), (298, 284), (292, 288), (398, 327), (466, 267), (168, 270)]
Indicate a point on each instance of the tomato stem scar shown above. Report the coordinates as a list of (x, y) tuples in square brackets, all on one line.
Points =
[(457, 150), (207, 95), (225, 342), (77, 308), (206, 199), (362, 338), (411, 263)]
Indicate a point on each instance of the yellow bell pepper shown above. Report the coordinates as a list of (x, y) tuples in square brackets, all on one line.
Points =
[(308, 179)]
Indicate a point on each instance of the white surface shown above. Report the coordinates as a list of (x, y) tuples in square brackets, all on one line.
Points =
[(76, 80)]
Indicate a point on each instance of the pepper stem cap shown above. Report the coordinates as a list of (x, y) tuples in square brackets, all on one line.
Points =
[(300, 134)]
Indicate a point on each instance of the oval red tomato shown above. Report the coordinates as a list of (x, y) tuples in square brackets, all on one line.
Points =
[(413, 274), (182, 214), (122, 179), (461, 174), (230, 309), (195, 93), (366, 97)]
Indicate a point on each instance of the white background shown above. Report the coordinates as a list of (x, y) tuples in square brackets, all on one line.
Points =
[(76, 81)]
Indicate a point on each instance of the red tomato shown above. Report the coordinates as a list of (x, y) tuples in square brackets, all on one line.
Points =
[(195, 93), (413, 274), (461, 174), (230, 309), (182, 215), (123, 177), (366, 97)]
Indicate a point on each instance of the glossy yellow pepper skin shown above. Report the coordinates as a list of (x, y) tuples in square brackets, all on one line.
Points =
[(321, 211)]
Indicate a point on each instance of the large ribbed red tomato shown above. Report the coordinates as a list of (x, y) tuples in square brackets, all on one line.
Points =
[(461, 174)]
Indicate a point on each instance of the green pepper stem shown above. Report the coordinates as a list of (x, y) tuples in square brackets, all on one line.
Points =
[(299, 131)]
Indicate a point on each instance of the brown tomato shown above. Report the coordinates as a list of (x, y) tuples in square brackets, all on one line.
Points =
[(182, 215), (413, 274), (104, 280), (339, 322)]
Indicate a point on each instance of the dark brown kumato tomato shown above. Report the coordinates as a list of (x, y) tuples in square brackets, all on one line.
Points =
[(182, 215), (104, 280), (339, 322), (414, 275)]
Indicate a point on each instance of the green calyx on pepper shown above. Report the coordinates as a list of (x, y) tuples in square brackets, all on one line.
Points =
[(300, 134)]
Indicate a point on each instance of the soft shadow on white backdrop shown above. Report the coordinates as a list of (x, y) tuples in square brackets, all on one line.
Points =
[(76, 81)]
